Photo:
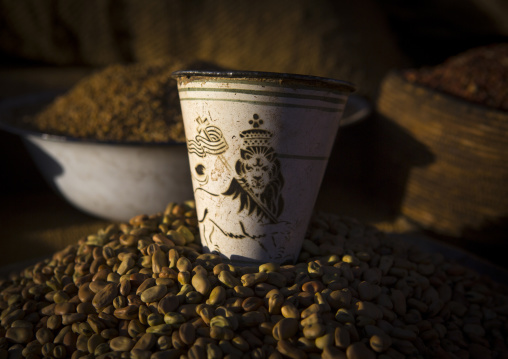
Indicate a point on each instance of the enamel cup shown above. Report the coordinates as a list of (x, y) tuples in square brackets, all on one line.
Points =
[(258, 146)]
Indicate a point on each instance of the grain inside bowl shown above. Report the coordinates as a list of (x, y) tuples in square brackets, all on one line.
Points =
[(144, 289), (122, 103)]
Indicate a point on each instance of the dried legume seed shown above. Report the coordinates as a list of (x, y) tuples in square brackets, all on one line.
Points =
[(389, 299)]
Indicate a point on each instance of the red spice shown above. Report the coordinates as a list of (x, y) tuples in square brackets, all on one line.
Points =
[(479, 75)]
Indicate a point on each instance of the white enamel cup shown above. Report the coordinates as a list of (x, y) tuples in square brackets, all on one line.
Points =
[(258, 145)]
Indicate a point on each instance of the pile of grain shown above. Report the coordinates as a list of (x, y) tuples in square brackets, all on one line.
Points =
[(144, 289)]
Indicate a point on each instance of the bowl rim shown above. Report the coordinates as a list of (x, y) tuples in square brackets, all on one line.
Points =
[(11, 103), (289, 78)]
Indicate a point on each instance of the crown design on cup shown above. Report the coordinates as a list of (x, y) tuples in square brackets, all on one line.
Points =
[(256, 136)]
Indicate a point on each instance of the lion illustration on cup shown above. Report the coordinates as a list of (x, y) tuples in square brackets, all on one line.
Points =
[(256, 185), (259, 180)]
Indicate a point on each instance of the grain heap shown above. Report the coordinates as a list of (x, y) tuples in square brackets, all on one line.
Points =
[(128, 103), (479, 75), (144, 289)]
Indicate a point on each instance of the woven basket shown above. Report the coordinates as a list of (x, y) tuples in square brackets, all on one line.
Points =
[(463, 191)]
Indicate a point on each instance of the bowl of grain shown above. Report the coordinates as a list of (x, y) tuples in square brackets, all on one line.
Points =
[(458, 112), (113, 145)]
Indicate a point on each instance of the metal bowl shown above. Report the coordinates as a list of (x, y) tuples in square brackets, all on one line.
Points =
[(110, 180)]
